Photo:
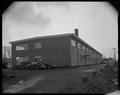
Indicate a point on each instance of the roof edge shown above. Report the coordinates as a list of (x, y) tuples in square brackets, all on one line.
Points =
[(48, 36)]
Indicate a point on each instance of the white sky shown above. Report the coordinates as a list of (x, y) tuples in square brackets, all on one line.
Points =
[(97, 22)]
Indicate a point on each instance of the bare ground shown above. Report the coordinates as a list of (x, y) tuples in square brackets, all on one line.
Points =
[(62, 80)]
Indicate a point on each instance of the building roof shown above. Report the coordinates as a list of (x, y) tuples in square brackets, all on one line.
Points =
[(41, 37), (51, 36)]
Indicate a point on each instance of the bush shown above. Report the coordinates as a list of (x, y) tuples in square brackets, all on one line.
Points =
[(104, 81), (22, 65)]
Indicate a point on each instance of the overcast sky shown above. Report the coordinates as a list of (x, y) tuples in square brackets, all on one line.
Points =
[(97, 22)]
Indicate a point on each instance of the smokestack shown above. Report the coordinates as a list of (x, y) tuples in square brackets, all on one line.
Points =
[(76, 32)]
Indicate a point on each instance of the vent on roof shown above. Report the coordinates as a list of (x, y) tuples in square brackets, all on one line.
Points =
[(76, 32)]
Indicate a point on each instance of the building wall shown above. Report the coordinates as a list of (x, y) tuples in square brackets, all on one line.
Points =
[(13, 55), (54, 51), (81, 57), (74, 59)]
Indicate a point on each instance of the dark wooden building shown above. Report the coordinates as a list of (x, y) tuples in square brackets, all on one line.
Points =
[(59, 50)]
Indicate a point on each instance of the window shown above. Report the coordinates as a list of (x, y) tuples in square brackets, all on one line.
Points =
[(22, 47), (89, 51), (38, 45), (81, 58), (21, 59), (92, 52), (79, 46), (86, 49), (73, 43), (83, 47)]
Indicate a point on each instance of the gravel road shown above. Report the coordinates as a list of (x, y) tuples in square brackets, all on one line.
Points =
[(61, 80)]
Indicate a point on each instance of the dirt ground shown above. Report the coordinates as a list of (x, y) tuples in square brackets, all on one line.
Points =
[(61, 80)]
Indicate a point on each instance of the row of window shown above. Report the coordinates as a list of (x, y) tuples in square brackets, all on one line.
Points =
[(83, 58), (38, 45), (25, 46), (22, 47), (81, 47)]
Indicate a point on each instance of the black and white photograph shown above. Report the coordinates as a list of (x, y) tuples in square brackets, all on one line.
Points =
[(60, 47)]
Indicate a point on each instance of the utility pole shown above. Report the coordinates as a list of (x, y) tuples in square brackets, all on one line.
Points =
[(114, 53)]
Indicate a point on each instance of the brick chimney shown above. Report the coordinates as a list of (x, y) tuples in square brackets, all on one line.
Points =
[(76, 32)]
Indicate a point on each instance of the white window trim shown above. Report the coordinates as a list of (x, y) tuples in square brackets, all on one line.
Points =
[(38, 45), (73, 43), (22, 47)]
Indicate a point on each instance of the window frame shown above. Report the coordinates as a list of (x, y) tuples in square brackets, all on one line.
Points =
[(83, 47), (79, 46), (20, 47), (37, 45), (73, 43)]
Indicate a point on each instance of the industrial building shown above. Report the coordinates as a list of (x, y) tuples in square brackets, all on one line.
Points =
[(58, 50)]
